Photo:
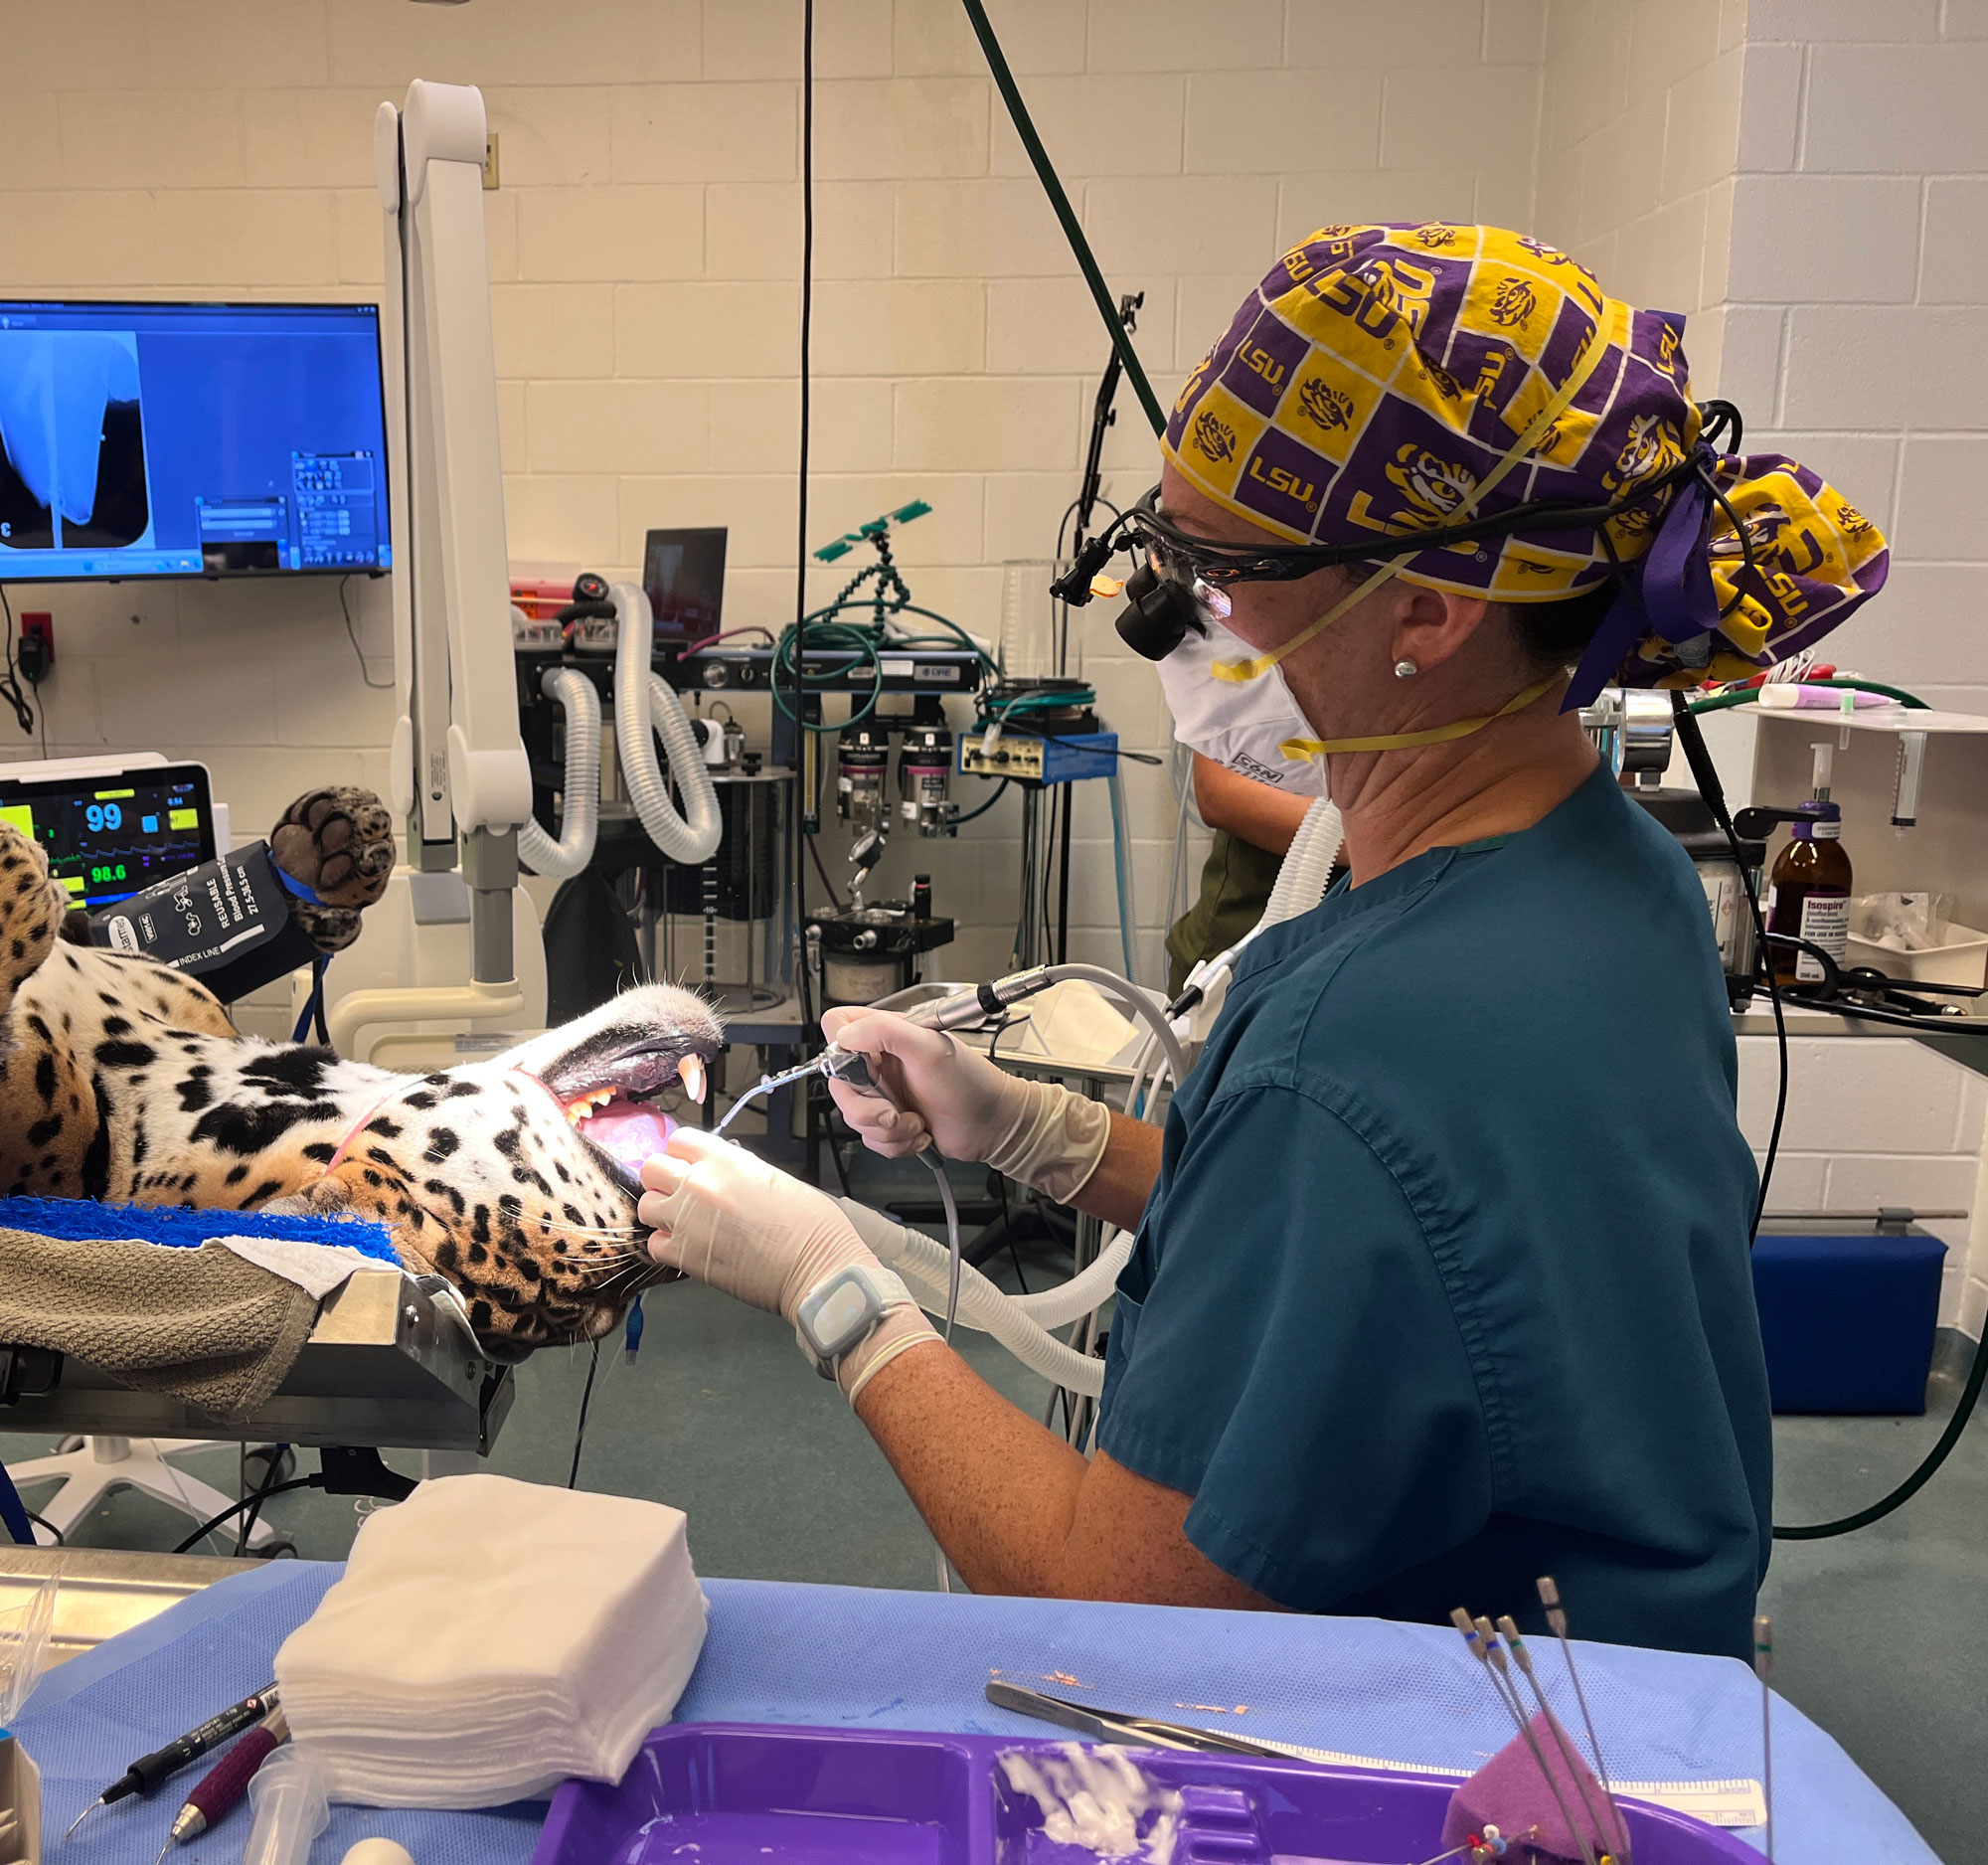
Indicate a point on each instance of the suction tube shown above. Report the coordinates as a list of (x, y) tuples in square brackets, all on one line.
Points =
[(1300, 885), (580, 800), (1307, 866), (644, 705), (927, 1267)]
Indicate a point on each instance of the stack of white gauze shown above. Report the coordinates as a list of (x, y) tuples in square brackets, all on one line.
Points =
[(491, 1638)]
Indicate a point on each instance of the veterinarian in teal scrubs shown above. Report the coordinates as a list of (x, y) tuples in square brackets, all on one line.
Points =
[(1442, 1274)]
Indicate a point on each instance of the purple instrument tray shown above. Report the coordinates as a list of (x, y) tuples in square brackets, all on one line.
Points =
[(742, 1793)]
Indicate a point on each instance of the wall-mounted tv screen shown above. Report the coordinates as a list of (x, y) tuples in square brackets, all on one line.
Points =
[(190, 441)]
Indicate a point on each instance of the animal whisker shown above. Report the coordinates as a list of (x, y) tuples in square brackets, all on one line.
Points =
[(605, 1272)]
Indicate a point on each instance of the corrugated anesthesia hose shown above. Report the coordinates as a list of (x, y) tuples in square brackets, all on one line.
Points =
[(1307, 865), (927, 1267), (1300, 885), (645, 706), (1088, 1290), (579, 798)]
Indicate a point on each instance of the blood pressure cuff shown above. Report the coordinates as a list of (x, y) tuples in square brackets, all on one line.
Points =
[(227, 923)]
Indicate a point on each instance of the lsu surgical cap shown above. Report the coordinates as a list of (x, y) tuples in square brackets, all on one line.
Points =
[(1379, 381)]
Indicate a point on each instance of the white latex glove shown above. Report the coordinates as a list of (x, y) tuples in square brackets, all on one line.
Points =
[(722, 1214), (949, 1095)]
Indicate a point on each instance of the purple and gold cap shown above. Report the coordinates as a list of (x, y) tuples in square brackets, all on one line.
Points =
[(1379, 373)]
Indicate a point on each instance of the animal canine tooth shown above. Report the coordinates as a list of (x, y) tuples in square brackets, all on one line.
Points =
[(691, 1069)]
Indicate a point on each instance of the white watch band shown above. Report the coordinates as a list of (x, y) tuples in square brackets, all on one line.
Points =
[(840, 1311)]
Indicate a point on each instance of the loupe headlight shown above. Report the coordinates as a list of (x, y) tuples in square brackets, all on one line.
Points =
[(1161, 610)]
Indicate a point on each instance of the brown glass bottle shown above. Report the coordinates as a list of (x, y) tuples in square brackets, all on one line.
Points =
[(1810, 895)]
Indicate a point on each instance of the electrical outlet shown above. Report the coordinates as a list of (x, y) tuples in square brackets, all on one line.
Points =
[(490, 161), (38, 645)]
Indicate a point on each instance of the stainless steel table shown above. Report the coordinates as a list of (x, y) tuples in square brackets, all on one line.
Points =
[(389, 1362), (105, 1590)]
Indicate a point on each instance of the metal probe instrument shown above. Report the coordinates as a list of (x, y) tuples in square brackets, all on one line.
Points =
[(221, 1788), (1484, 1647), (1549, 1590), (150, 1770), (1763, 1668), (1508, 1629)]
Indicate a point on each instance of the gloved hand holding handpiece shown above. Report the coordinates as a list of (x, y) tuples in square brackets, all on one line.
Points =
[(937, 1090)]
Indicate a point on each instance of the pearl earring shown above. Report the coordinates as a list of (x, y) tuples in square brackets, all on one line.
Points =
[(1405, 670)]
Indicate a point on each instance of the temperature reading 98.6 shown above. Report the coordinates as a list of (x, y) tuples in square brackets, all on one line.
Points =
[(103, 816)]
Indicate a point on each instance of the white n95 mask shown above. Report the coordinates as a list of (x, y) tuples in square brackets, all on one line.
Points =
[(1241, 726)]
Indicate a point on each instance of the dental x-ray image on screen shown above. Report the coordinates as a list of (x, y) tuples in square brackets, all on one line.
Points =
[(190, 439), (72, 441)]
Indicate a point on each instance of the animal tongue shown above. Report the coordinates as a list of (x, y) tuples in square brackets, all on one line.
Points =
[(629, 1131)]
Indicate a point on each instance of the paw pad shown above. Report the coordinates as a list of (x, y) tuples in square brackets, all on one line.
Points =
[(338, 843)]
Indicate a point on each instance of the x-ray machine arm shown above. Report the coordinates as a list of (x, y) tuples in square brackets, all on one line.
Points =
[(458, 763)]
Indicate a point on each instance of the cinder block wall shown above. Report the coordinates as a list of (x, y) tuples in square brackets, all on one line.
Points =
[(1857, 307), (1639, 125), (1807, 181), (644, 253)]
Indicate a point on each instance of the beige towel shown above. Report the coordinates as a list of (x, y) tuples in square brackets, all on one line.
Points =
[(201, 1324)]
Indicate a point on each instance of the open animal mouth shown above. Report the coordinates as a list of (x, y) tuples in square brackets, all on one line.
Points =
[(614, 1102)]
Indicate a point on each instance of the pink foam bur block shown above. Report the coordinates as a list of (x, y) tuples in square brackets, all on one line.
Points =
[(1510, 1793)]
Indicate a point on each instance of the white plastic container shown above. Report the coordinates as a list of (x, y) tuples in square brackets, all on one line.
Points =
[(1963, 960)]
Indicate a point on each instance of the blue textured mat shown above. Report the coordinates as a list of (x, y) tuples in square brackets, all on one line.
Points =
[(86, 1221), (785, 1653)]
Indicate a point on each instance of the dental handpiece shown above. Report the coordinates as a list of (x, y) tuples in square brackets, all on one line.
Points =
[(973, 1004), (970, 1004)]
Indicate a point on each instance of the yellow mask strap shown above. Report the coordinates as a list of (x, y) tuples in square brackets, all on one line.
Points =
[(1301, 748), (1585, 366)]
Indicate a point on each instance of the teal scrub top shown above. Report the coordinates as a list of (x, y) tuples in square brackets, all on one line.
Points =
[(1443, 1285)]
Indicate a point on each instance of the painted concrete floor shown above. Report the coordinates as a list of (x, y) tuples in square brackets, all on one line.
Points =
[(1879, 1636)]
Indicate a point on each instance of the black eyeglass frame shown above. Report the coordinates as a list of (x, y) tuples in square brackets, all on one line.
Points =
[(1218, 561)]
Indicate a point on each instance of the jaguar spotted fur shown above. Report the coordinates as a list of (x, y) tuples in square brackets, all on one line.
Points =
[(121, 1080)]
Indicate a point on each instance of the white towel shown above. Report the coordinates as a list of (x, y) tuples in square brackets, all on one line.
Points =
[(491, 1638), (317, 1269)]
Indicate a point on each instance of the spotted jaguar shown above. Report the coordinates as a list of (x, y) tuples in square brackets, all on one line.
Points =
[(513, 1177)]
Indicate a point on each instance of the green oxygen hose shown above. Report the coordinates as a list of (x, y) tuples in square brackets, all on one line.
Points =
[(1746, 695), (1004, 81)]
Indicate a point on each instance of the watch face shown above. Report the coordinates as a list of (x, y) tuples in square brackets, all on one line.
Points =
[(838, 1313), (841, 1316)]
